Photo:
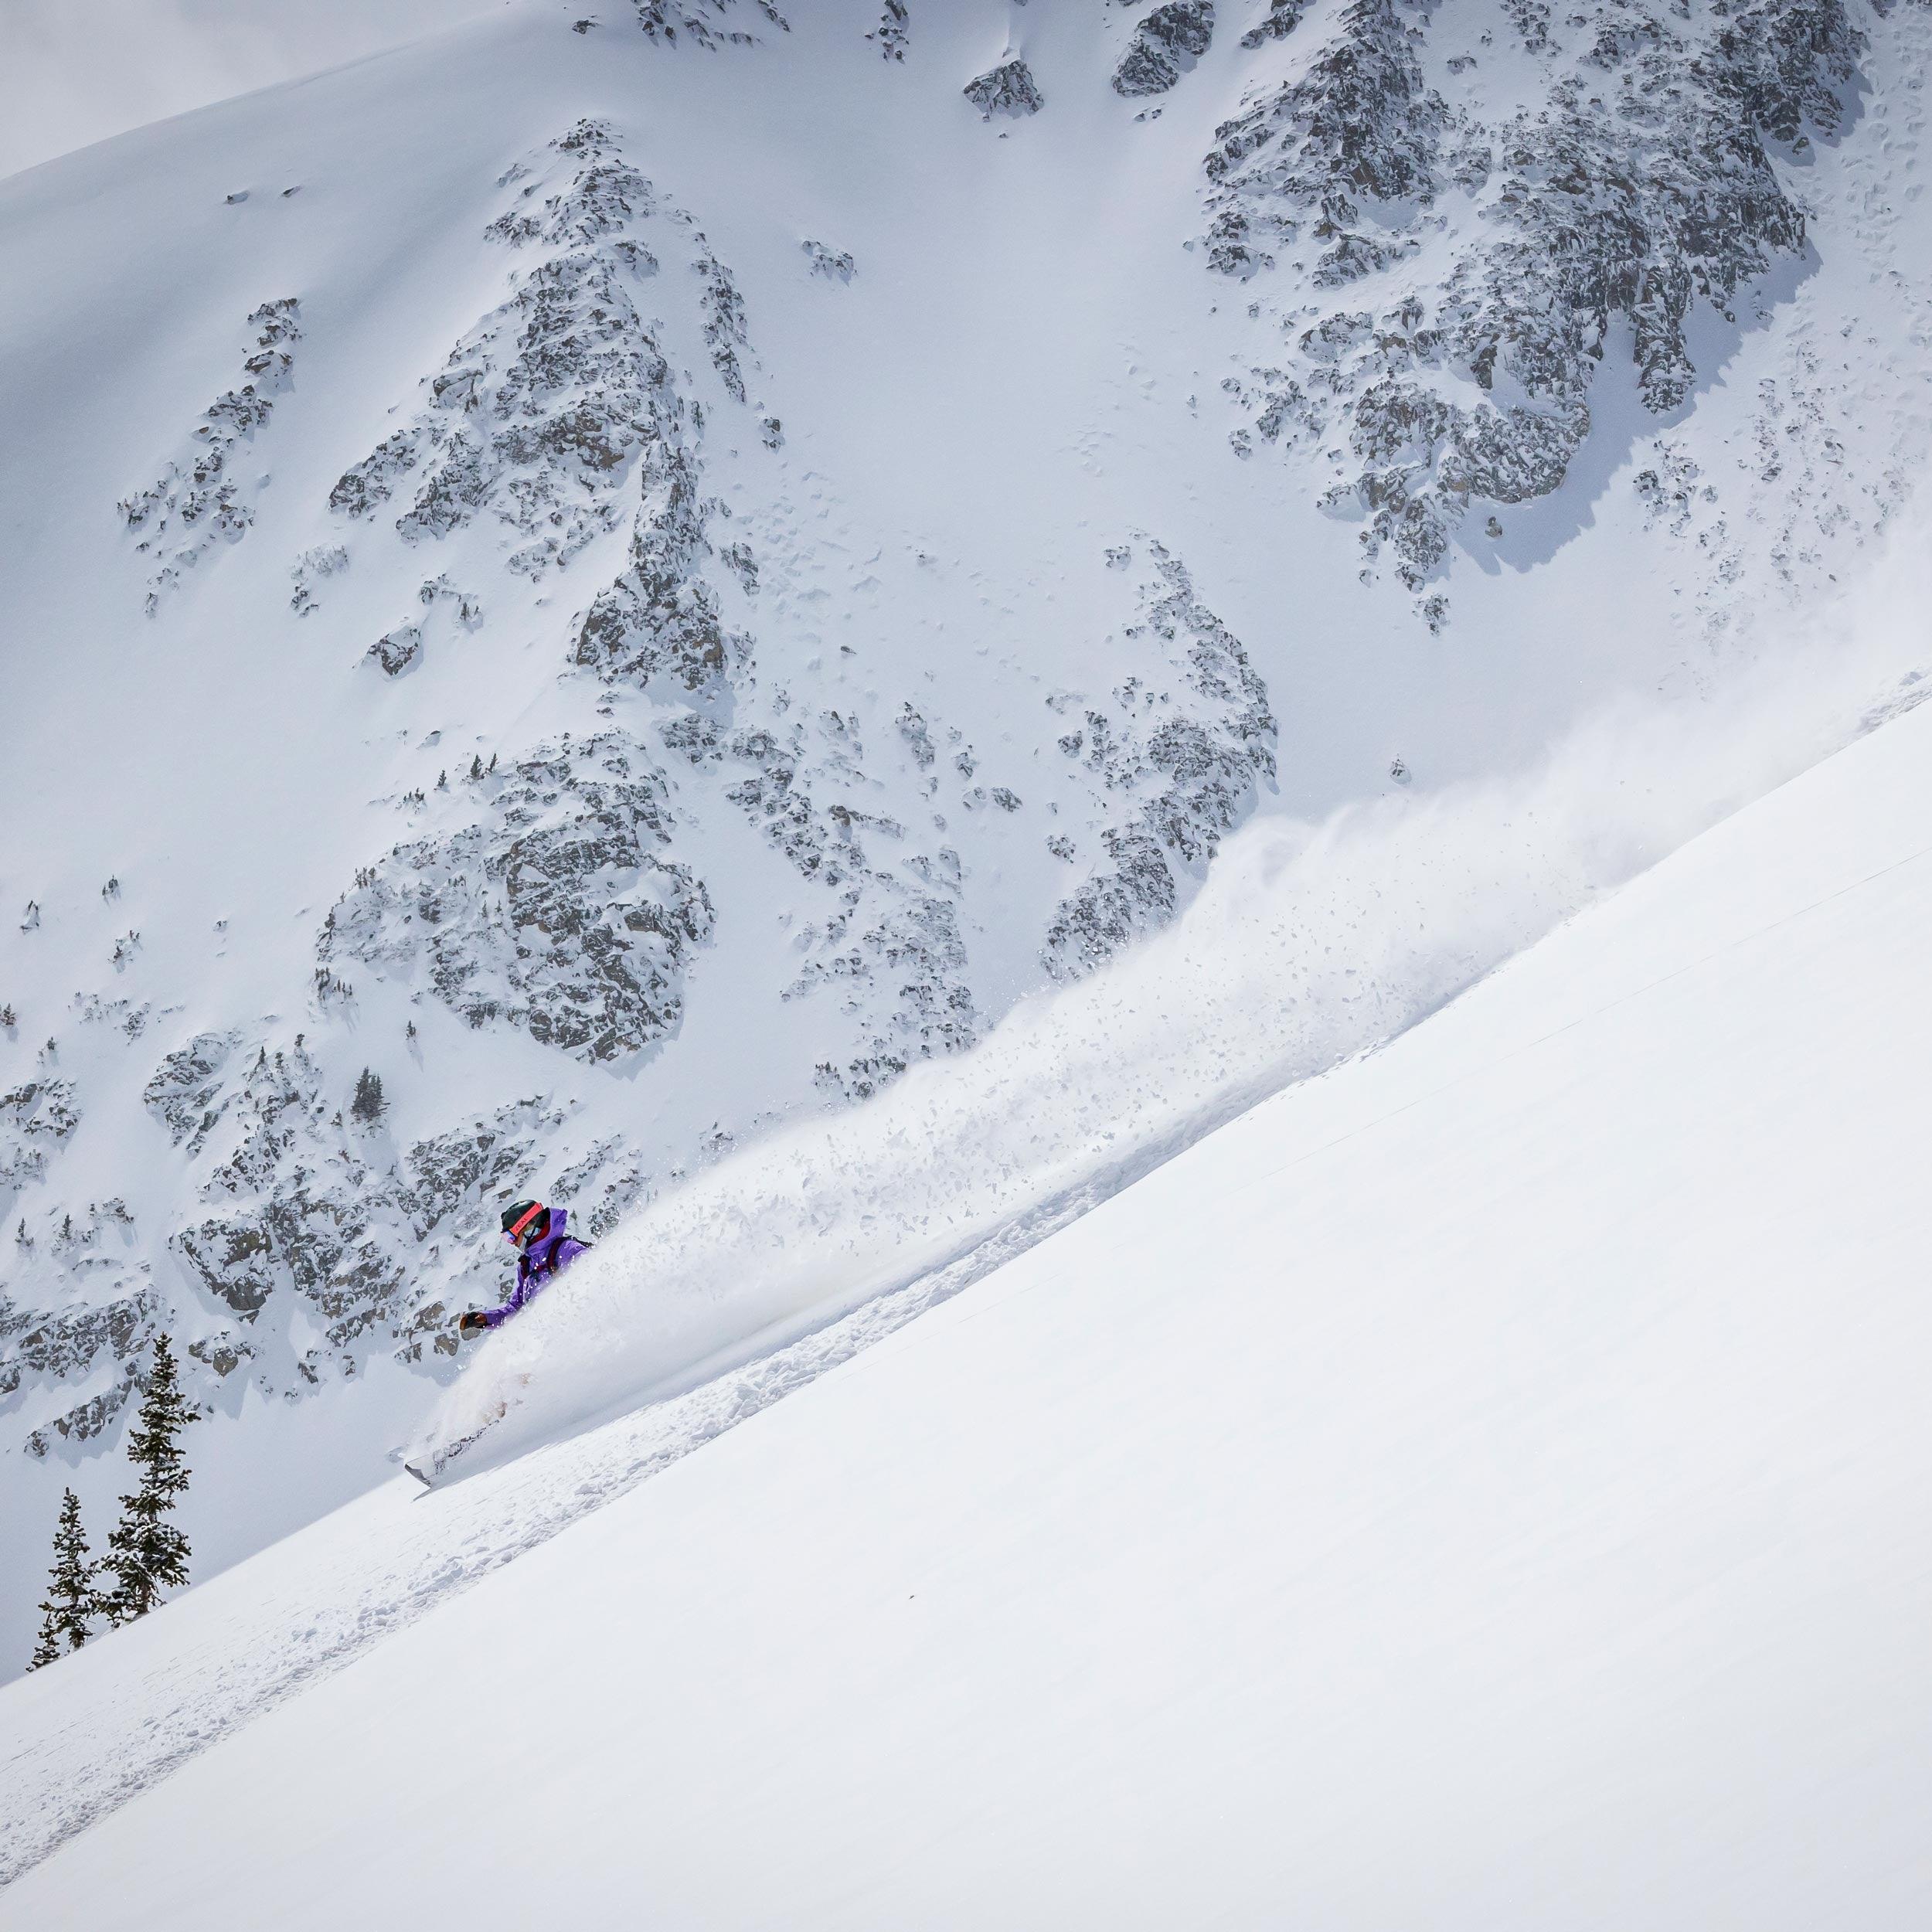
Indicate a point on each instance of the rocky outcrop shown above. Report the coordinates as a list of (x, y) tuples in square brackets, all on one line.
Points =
[(1358, 124), (552, 909), (398, 650), (187, 1094), (1178, 766), (701, 23), (1166, 44), (723, 310), (885, 942), (92, 1313), (36, 1120), (198, 501), (1008, 89), (541, 412), (1639, 187), (1281, 20), (661, 620), (65, 1344)]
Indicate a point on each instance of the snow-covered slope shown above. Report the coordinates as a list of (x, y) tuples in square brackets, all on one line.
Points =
[(638, 576), (1478, 1487), (73, 74)]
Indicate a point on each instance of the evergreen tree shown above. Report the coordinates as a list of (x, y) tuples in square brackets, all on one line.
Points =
[(46, 1646), (368, 1104), (71, 1602), (147, 1554)]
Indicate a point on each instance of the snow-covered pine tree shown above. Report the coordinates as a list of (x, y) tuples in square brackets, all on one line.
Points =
[(46, 1646), (147, 1554), (368, 1104), (71, 1603)]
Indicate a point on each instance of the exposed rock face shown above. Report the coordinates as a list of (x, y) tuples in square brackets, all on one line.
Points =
[(66, 1343), (542, 410), (36, 1120), (92, 1311), (1281, 20), (197, 501), (1008, 89), (1166, 44), (661, 619), (701, 21), (1638, 186), (552, 910), (187, 1094), (1359, 122), (1185, 762)]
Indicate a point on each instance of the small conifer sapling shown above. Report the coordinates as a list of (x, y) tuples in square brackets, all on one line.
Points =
[(72, 1602)]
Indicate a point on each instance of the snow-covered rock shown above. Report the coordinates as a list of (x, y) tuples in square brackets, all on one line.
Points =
[(1167, 43), (198, 500), (553, 909), (1628, 183), (1008, 89)]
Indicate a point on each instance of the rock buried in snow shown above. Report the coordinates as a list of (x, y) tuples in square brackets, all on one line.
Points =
[(397, 651), (892, 31), (834, 264)]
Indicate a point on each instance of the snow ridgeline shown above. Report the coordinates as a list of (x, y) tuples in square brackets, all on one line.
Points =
[(1309, 943)]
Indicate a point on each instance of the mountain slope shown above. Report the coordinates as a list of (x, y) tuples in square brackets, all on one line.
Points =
[(70, 76), (638, 583), (1504, 1449)]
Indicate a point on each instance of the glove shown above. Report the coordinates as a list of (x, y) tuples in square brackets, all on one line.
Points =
[(472, 1324)]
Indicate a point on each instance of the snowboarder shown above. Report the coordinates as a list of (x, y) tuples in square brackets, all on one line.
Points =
[(544, 1250)]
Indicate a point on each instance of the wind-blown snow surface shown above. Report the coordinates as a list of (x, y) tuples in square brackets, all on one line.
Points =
[(1478, 1487), (879, 551)]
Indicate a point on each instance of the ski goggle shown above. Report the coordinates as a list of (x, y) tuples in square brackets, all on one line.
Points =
[(514, 1233)]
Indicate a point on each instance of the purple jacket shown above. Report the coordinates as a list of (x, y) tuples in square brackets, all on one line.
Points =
[(537, 1266)]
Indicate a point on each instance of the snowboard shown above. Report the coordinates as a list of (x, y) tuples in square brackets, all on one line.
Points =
[(429, 1469)]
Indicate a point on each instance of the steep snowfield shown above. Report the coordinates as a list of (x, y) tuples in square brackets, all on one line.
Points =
[(70, 75), (844, 652), (1479, 1487)]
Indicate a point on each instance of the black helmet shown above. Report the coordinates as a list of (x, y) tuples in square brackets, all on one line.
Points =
[(525, 1221)]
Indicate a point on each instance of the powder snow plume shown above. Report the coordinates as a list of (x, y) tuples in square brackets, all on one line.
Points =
[(1309, 943)]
